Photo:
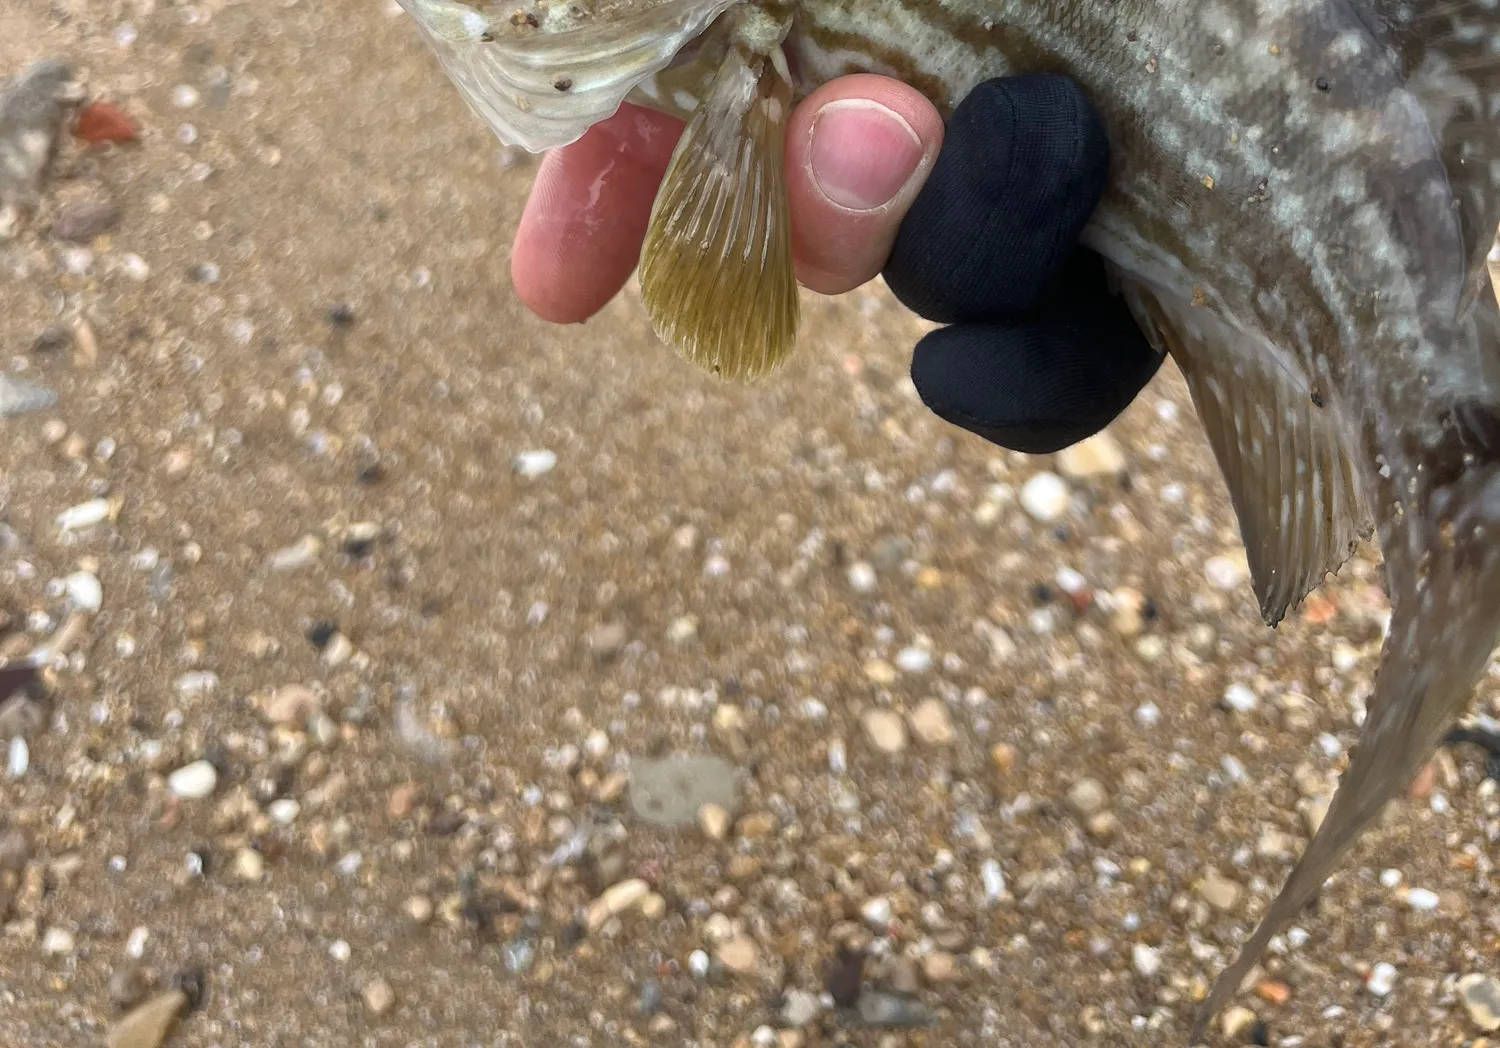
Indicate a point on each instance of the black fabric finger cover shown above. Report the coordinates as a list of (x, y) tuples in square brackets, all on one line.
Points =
[(1022, 167), (1039, 385)]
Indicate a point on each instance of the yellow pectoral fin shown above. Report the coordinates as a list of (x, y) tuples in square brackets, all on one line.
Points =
[(716, 268)]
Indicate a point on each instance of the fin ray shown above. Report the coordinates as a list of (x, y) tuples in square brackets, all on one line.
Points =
[(1279, 444), (716, 268)]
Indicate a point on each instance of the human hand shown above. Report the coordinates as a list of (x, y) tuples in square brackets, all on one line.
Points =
[(981, 236), (1039, 353), (857, 152)]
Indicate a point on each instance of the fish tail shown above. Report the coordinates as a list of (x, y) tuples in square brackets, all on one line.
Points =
[(1443, 567)]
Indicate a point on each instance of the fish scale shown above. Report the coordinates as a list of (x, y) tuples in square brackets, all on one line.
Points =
[(1301, 198)]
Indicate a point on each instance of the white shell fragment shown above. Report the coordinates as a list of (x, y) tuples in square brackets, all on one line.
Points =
[(83, 515), (84, 591), (533, 464), (193, 781)]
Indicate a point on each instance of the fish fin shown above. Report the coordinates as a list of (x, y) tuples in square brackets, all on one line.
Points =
[(1445, 53), (1279, 443), (1443, 567), (540, 87), (716, 267)]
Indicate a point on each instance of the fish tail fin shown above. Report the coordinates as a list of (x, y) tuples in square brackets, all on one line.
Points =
[(716, 268), (1443, 566)]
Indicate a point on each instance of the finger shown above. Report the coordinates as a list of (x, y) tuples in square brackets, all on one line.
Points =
[(858, 150), (1025, 162), (581, 232)]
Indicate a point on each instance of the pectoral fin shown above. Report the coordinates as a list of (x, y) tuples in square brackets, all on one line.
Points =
[(1279, 443), (716, 268)]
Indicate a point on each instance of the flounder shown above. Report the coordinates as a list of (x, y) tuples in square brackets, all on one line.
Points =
[(1302, 195)]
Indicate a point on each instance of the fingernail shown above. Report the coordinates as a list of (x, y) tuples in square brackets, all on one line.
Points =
[(862, 154)]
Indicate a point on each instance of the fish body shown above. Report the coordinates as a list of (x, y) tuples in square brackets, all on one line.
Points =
[(1301, 199)]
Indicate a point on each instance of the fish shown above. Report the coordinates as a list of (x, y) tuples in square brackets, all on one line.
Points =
[(1301, 198)]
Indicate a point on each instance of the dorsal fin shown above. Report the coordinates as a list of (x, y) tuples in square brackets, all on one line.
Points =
[(1279, 443)]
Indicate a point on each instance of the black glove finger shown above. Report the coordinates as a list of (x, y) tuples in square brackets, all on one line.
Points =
[(1023, 164), (1044, 383)]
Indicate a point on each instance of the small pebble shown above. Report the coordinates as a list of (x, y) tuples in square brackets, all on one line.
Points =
[(298, 555), (83, 220), (533, 464), (931, 723), (1240, 698), (57, 942), (1096, 456), (1087, 796), (713, 821), (615, 900), (877, 1008), (194, 781), (1422, 899), (914, 660), (739, 955), (1045, 497), (291, 704), (1480, 993), (1145, 959), (939, 967), (877, 913), (1226, 573), (698, 964), (886, 730), (84, 591), (194, 685), (1382, 979), (1219, 892), (83, 515), (800, 1008), (862, 578), (607, 639), (249, 865), (17, 757), (378, 995), (993, 879), (1236, 1020)]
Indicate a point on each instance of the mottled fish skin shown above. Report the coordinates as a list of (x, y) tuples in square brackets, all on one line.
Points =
[(1302, 196)]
